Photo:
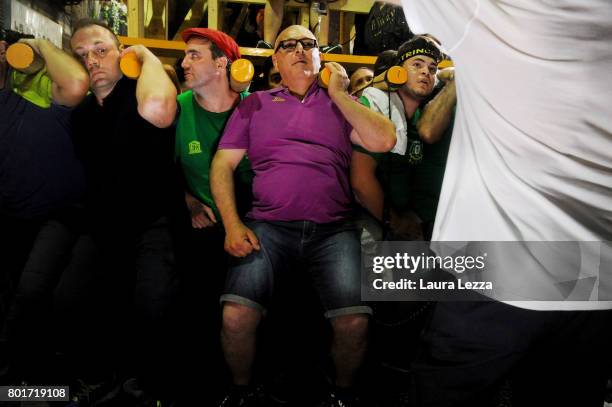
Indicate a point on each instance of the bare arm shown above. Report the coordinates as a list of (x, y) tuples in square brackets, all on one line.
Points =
[(155, 91), (367, 188), (371, 130), (438, 113), (69, 78), (239, 240)]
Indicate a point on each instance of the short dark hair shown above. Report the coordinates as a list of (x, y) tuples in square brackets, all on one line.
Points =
[(89, 22), (217, 53), (384, 61)]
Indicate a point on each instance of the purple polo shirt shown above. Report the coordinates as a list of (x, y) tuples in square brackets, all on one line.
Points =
[(300, 152)]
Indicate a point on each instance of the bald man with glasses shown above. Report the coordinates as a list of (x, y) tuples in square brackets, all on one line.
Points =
[(298, 137)]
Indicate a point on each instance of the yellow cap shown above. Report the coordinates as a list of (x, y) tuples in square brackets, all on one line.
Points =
[(130, 65)]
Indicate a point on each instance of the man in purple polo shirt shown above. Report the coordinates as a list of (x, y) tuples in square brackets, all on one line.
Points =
[(298, 138)]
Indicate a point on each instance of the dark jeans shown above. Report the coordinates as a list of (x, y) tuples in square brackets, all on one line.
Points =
[(559, 358), (330, 253)]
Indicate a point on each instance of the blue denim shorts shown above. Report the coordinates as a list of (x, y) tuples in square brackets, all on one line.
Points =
[(330, 252)]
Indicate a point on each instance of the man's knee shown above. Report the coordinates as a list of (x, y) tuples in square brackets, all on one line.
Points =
[(239, 319), (354, 326)]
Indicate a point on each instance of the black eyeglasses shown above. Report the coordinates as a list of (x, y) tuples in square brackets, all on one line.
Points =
[(290, 45)]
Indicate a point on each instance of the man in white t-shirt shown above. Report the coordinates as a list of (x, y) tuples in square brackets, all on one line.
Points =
[(530, 160)]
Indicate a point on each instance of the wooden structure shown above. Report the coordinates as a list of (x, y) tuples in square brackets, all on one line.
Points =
[(173, 48)]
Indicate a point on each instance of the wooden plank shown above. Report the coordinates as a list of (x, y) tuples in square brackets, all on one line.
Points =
[(304, 17), (176, 49), (197, 14), (215, 14), (354, 6), (244, 11), (347, 30), (158, 25), (135, 18)]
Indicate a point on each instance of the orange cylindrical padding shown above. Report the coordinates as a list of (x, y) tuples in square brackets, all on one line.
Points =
[(391, 79), (446, 63), (23, 58), (241, 74), (396, 76), (324, 76), (130, 65)]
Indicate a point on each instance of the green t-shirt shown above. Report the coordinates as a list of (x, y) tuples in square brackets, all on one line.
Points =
[(197, 138), (395, 171), (414, 186), (429, 175)]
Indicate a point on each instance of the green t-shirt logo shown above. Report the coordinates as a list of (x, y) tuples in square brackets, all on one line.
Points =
[(195, 148), (415, 151)]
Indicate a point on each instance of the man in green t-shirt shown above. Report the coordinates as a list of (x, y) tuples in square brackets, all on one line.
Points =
[(204, 111), (400, 188)]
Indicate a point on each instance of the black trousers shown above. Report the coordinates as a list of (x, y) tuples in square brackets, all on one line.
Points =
[(27, 340), (203, 270), (559, 358), (138, 289)]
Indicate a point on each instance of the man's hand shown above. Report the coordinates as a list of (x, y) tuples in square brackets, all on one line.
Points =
[(447, 74), (240, 241), (201, 215), (338, 80), (34, 43), (139, 50)]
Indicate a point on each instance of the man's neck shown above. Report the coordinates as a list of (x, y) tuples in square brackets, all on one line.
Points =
[(216, 97), (410, 103), (102, 93), (299, 87)]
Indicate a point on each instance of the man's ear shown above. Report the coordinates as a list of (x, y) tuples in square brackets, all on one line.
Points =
[(222, 62), (121, 47), (274, 61)]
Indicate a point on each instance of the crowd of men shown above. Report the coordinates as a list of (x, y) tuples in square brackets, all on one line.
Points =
[(150, 229)]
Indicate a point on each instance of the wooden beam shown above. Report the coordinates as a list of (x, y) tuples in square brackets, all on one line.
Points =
[(304, 17), (347, 30), (244, 11), (215, 14), (158, 25), (354, 6), (176, 49), (197, 14), (135, 18)]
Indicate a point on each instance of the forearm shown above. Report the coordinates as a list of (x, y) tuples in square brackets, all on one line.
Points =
[(155, 92), (222, 186), (70, 80), (370, 196), (368, 190), (376, 133), (437, 114)]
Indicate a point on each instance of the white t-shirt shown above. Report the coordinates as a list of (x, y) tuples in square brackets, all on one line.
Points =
[(531, 154), (379, 102)]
